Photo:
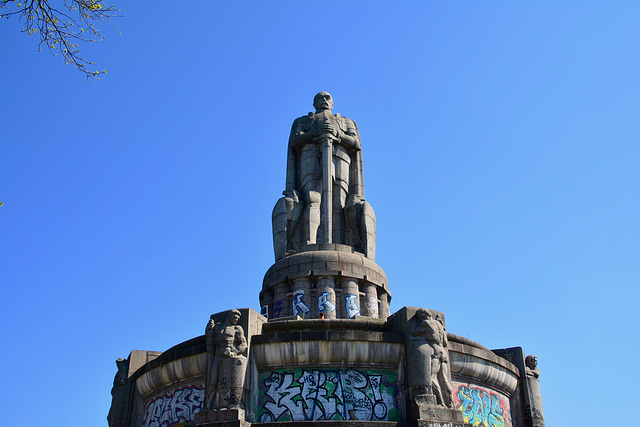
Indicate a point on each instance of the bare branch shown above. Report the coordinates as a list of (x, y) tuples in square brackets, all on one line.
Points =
[(62, 29)]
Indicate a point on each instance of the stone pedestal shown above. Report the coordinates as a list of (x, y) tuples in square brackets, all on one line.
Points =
[(427, 414)]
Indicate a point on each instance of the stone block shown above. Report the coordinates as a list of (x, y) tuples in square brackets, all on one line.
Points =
[(333, 265), (325, 256), (423, 408), (220, 418)]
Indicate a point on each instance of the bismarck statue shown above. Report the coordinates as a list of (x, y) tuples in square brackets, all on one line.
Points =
[(323, 200)]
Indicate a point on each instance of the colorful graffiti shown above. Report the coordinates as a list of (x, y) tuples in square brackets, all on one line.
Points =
[(176, 406), (482, 408), (351, 305), (299, 307), (322, 394), (324, 303)]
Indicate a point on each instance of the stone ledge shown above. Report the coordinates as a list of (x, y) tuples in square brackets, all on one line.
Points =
[(331, 424), (325, 263), (341, 335), (290, 324)]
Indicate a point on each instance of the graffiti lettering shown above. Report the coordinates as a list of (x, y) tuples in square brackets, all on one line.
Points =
[(277, 309), (481, 407), (174, 407), (305, 395), (323, 302), (351, 306), (299, 307)]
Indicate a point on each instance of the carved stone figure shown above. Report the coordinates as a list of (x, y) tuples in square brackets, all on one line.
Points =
[(437, 375), (533, 385), (324, 196), (226, 363), (118, 413)]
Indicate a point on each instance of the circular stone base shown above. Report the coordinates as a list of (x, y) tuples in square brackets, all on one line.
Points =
[(335, 283)]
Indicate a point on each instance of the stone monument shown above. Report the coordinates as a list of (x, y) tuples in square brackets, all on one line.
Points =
[(325, 349), (535, 398), (226, 363)]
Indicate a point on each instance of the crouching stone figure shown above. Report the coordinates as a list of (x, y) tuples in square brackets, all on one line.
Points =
[(433, 375), (226, 363)]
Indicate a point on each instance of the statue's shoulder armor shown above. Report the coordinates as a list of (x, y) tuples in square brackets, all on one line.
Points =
[(346, 123), (303, 122)]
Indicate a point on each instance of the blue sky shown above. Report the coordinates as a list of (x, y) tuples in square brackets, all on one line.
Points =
[(501, 157)]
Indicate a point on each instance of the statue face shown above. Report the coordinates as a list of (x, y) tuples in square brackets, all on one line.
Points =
[(423, 315), (233, 318), (323, 101)]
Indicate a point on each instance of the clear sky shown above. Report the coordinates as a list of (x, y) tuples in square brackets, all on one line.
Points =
[(501, 157)]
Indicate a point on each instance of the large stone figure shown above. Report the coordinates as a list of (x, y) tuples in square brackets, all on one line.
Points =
[(533, 386), (434, 375), (226, 364), (324, 196), (118, 415)]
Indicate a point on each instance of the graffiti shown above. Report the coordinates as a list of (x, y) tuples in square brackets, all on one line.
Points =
[(299, 306), (323, 302), (331, 395), (277, 309), (265, 310), (351, 306), (481, 407), (372, 306), (174, 407)]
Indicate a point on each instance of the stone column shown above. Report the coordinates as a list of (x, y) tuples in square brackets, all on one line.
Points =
[(267, 303), (384, 306), (301, 302), (280, 307), (351, 298), (371, 301), (326, 297)]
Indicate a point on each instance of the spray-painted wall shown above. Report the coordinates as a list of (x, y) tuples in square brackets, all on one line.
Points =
[(175, 406), (481, 406), (327, 394)]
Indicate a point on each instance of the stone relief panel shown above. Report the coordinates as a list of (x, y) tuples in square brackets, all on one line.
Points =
[(327, 394), (481, 407), (175, 406)]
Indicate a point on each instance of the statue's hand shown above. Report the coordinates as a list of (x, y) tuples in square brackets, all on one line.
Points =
[(328, 128), (293, 194)]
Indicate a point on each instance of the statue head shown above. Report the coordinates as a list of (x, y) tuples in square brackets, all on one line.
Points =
[(531, 361), (323, 101), (423, 314), (233, 316)]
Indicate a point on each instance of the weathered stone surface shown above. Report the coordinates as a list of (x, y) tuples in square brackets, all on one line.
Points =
[(121, 410), (173, 372), (482, 367), (323, 206)]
